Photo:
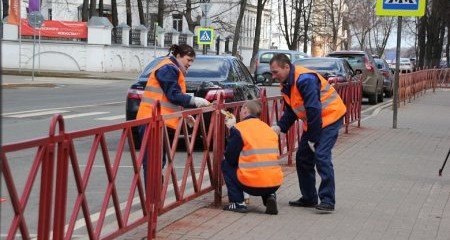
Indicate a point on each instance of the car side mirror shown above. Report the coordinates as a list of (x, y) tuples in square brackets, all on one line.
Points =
[(358, 71)]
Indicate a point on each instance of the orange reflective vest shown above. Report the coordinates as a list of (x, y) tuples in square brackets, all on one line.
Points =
[(333, 107), (154, 92), (258, 162)]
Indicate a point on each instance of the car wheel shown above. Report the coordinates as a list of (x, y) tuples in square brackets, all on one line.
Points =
[(380, 96), (373, 99), (268, 79), (388, 94)]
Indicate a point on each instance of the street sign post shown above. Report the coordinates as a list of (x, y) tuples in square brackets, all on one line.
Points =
[(35, 20), (399, 8)]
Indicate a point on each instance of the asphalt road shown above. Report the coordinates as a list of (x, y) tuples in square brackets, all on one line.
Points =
[(84, 103)]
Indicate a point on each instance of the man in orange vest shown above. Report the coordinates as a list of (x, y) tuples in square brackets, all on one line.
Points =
[(167, 84), (251, 160), (310, 98)]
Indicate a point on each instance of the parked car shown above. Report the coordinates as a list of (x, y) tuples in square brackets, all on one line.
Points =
[(405, 66), (335, 70), (372, 79), (388, 81), (262, 72), (207, 76)]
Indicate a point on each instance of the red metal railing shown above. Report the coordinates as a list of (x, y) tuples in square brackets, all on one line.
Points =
[(412, 85), (59, 158)]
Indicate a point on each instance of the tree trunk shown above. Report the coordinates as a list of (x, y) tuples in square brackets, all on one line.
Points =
[(188, 15), (259, 10), (128, 12), (92, 8), (237, 30), (160, 13), (100, 8), (421, 41), (115, 20), (141, 12), (85, 11)]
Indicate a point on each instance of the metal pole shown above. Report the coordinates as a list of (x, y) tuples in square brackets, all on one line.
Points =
[(154, 32), (397, 73), (34, 49)]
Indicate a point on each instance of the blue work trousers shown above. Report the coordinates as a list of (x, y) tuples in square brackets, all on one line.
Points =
[(306, 160), (236, 189), (144, 160)]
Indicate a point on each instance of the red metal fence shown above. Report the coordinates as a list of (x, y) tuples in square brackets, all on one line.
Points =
[(196, 150), (412, 85)]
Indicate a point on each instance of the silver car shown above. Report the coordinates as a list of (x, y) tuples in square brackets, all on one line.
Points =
[(262, 72)]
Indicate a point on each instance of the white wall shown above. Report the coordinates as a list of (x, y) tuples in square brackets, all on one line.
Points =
[(60, 56)]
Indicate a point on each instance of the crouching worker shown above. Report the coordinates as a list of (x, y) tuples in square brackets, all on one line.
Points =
[(251, 160)]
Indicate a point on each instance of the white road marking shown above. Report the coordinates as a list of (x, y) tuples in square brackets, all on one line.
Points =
[(35, 114), (83, 114), (122, 116), (61, 108)]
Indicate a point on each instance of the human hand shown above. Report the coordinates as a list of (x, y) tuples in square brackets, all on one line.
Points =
[(276, 129), (230, 121), (201, 102), (311, 146), (190, 120)]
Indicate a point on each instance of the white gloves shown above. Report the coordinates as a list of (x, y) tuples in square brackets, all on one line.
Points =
[(276, 129), (190, 120), (200, 102), (311, 146), (230, 121)]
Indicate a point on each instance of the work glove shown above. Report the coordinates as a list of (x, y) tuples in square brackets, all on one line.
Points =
[(311, 146), (276, 129), (200, 102), (230, 121), (190, 120)]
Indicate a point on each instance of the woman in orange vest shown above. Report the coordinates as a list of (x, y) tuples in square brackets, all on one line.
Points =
[(251, 160), (166, 83), (310, 98)]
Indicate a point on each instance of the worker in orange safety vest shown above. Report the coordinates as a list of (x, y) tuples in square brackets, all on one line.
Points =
[(310, 98), (251, 160), (166, 83)]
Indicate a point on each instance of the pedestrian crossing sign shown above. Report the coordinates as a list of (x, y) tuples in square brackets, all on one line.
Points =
[(205, 36), (406, 8)]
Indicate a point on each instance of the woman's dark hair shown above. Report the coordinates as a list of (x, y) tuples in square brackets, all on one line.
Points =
[(182, 49)]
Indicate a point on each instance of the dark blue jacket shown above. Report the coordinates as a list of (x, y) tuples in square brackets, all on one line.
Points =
[(234, 146), (309, 87), (167, 77)]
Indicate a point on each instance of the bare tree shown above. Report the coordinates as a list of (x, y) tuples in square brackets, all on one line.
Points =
[(85, 11), (115, 20), (259, 10), (380, 34), (92, 8), (307, 23), (100, 8), (237, 30), (335, 11), (361, 26), (128, 12), (160, 13), (141, 12), (289, 21)]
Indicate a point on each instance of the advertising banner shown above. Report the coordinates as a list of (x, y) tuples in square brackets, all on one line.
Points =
[(56, 29), (14, 12)]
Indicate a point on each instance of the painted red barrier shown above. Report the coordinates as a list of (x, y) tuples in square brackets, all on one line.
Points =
[(193, 154)]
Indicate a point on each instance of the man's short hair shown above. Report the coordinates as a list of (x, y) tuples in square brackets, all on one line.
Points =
[(254, 107), (281, 59)]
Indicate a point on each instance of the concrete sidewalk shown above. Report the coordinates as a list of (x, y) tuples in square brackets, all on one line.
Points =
[(387, 187)]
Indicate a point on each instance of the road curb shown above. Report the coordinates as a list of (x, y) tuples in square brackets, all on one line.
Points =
[(62, 74), (20, 85)]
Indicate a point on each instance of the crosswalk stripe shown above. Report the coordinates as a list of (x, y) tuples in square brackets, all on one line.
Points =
[(35, 114), (84, 114), (111, 118)]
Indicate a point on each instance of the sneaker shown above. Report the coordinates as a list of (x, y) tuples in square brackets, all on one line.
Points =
[(236, 207), (271, 205), (302, 203), (324, 207)]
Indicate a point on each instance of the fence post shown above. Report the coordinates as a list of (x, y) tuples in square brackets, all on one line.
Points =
[(154, 166), (265, 106), (218, 148), (62, 172)]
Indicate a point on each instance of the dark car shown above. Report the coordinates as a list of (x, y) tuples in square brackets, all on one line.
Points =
[(335, 70), (205, 78), (388, 80), (372, 79)]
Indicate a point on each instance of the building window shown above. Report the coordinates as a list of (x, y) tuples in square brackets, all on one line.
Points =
[(50, 17), (178, 22)]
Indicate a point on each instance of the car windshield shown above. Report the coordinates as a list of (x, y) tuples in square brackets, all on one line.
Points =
[(319, 64), (356, 61), (208, 68), (404, 60)]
